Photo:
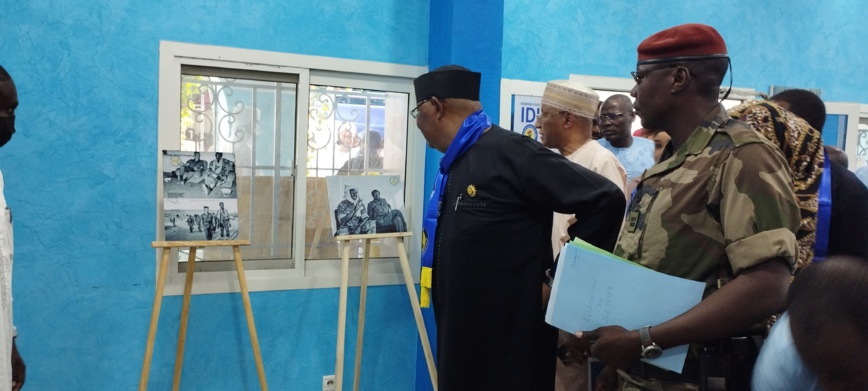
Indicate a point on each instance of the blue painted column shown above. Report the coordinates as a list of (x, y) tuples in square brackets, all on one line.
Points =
[(470, 34)]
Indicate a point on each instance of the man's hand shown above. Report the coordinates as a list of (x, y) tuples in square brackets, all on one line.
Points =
[(613, 345), (18, 369), (572, 343)]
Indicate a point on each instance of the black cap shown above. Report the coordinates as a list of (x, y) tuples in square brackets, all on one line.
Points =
[(448, 81)]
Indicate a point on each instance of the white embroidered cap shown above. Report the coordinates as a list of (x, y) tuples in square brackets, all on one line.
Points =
[(572, 97)]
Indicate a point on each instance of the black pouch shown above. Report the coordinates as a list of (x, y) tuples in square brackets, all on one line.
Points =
[(714, 366), (727, 364)]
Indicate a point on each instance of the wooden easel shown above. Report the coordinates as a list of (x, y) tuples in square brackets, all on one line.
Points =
[(185, 308), (342, 305)]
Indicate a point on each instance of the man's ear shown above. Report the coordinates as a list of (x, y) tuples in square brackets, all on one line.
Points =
[(569, 120), (680, 79), (440, 106)]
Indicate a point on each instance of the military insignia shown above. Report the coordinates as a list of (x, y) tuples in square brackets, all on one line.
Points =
[(393, 181), (530, 132), (176, 161), (471, 191), (424, 240), (632, 220)]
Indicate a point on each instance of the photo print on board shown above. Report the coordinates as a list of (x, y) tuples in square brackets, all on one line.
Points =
[(366, 204), (199, 196)]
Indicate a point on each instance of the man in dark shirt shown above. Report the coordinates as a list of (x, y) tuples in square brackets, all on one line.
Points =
[(487, 237), (848, 220), (387, 220)]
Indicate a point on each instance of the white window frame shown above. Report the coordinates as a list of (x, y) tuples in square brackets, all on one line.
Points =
[(852, 111), (310, 70), (856, 160)]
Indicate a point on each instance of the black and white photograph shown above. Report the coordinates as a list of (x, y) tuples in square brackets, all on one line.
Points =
[(193, 174), (200, 219), (366, 204), (199, 196)]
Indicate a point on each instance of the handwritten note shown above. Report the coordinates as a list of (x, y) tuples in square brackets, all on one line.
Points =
[(594, 288)]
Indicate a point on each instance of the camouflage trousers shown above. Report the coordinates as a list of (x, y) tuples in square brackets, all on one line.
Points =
[(629, 382)]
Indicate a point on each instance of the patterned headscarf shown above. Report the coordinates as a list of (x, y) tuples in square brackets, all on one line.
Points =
[(802, 146)]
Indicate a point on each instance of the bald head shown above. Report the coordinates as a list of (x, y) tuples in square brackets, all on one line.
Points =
[(616, 120), (619, 99), (828, 319)]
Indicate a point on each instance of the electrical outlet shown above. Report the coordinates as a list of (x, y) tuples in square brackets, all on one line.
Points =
[(328, 383)]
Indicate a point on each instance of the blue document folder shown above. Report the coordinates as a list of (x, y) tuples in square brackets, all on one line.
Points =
[(594, 288)]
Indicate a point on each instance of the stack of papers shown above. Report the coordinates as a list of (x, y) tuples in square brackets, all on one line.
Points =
[(594, 288)]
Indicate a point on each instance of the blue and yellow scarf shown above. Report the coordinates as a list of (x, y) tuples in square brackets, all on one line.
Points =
[(470, 130)]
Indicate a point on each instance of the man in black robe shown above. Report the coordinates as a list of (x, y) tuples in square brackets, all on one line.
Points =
[(487, 237)]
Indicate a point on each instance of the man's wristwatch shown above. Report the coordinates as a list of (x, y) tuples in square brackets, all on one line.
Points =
[(650, 350)]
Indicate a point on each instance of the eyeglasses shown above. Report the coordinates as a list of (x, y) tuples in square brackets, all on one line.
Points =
[(415, 111), (638, 77), (611, 117), (542, 116)]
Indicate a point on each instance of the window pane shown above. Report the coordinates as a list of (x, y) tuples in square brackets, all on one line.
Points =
[(350, 132), (253, 117), (862, 139)]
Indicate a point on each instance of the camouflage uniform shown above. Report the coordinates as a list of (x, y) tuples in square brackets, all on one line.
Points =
[(722, 203), (209, 221), (223, 222)]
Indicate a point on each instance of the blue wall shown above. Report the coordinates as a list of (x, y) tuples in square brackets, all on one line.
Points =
[(80, 179), (803, 43)]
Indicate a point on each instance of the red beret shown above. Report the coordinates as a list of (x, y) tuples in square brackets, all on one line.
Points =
[(685, 42)]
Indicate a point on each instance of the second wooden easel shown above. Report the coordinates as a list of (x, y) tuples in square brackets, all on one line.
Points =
[(342, 304), (185, 308)]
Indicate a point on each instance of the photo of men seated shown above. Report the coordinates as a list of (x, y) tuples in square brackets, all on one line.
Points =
[(366, 204), (194, 174)]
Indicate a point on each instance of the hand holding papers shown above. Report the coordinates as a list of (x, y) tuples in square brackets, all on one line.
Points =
[(593, 288)]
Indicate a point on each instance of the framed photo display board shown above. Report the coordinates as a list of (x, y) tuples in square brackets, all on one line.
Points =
[(200, 196), (366, 204)]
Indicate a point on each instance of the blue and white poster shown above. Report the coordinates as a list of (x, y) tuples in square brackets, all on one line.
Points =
[(525, 109)]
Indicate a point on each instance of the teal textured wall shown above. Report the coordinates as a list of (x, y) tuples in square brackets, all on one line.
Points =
[(80, 180), (799, 43)]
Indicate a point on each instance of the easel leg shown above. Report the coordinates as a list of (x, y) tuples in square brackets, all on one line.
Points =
[(155, 317), (254, 340), (417, 311), (342, 315), (363, 294), (185, 315)]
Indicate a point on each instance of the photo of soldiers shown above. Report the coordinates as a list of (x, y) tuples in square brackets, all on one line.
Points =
[(206, 220), (199, 188), (195, 174)]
